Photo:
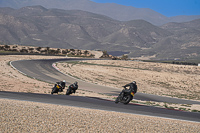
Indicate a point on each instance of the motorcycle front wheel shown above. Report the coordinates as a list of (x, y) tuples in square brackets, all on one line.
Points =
[(117, 100)]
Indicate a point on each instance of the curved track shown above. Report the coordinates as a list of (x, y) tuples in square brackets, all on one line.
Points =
[(43, 70)]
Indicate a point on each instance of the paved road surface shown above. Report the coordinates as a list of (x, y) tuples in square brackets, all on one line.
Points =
[(95, 103)]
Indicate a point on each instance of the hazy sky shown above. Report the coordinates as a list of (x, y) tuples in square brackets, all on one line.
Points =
[(166, 7)]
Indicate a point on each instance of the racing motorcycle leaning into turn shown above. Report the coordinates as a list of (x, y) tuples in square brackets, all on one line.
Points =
[(72, 88), (124, 97), (127, 94), (58, 87)]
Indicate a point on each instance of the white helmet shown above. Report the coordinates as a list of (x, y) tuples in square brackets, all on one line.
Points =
[(64, 81), (134, 82)]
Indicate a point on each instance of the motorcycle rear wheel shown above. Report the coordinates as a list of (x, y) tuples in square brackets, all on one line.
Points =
[(128, 99), (68, 92), (54, 90)]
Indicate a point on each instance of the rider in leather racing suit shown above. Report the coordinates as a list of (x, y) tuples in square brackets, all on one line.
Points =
[(132, 88), (74, 86), (61, 84)]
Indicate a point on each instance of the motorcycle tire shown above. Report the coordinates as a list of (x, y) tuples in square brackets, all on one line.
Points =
[(117, 100), (128, 99), (68, 92), (54, 90)]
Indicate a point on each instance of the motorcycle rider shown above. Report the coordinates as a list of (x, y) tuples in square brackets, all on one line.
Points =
[(74, 86), (132, 88), (61, 84)]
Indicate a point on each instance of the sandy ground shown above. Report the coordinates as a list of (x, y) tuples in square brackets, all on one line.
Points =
[(22, 116)]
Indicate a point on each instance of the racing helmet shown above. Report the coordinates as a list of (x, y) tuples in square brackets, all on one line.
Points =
[(134, 82), (64, 81)]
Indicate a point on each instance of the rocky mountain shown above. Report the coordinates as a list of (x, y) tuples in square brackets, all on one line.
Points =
[(185, 38), (38, 26), (115, 11), (182, 43)]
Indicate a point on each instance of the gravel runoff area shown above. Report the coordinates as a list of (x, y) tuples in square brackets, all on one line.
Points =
[(22, 116)]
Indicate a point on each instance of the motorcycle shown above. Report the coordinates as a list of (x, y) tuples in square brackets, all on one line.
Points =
[(71, 89), (124, 98), (57, 88)]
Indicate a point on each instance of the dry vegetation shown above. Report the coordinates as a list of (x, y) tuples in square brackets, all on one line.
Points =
[(46, 51)]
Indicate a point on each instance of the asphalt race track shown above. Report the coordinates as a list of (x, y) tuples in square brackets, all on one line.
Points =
[(43, 70), (95, 103)]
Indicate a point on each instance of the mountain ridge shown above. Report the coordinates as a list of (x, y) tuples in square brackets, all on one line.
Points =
[(39, 26), (112, 10)]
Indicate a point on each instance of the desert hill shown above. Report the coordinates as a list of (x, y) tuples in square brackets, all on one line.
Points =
[(39, 26), (115, 11)]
